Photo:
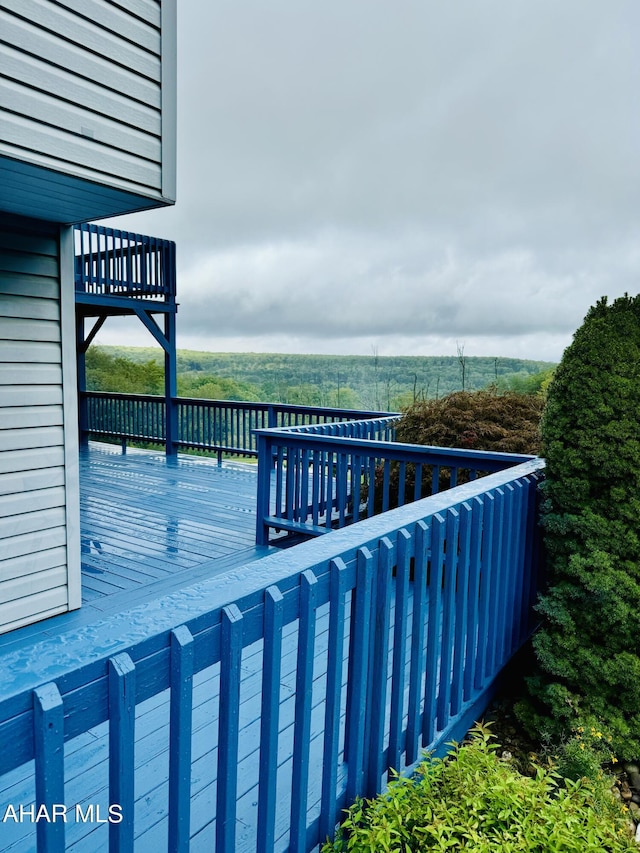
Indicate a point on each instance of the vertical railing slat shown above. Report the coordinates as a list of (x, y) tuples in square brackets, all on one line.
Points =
[(506, 572), (448, 617), (122, 715), (269, 718), (328, 807), (399, 647), (438, 524), (418, 624), (485, 627), (378, 668), (462, 604), (515, 572), (303, 704), (474, 638), (497, 586), (357, 693), (228, 731), (48, 732), (180, 739)]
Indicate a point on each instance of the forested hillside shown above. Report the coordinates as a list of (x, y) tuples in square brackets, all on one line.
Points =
[(349, 381)]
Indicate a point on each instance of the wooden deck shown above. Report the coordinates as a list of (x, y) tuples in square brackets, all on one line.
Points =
[(87, 775), (151, 525), (151, 529)]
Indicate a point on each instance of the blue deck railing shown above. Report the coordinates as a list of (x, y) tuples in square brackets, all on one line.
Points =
[(312, 480), (283, 693), (218, 426), (110, 262)]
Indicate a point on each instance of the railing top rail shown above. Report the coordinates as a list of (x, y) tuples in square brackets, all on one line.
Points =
[(143, 630), (399, 450), (311, 428), (357, 414), (131, 237), (116, 395)]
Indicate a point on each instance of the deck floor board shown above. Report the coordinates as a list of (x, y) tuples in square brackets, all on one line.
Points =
[(151, 525)]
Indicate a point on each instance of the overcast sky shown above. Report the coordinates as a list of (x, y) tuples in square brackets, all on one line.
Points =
[(401, 176)]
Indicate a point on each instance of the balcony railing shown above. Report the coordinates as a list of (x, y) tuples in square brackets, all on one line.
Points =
[(216, 426), (109, 262), (320, 667), (316, 479)]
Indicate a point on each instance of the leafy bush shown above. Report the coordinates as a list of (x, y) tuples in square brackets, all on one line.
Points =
[(480, 420), (589, 648), (475, 801)]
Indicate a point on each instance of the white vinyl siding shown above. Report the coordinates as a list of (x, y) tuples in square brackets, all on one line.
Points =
[(82, 91), (39, 561)]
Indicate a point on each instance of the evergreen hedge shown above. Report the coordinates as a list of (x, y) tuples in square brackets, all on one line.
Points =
[(589, 647)]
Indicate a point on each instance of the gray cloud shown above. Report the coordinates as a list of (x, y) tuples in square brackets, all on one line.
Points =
[(365, 169)]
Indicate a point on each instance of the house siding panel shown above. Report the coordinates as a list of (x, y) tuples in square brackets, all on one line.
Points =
[(36, 562), (82, 92)]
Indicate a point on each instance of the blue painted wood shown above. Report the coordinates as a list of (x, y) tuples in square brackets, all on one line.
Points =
[(357, 692), (269, 718), (302, 726), (335, 656), (377, 698), (498, 583), (78, 664), (111, 262), (180, 739), (461, 597), (419, 618), (398, 679), (474, 634), (122, 707), (435, 581), (48, 734), (417, 483), (520, 522), (435, 479), (219, 426), (510, 613), (448, 617), (487, 587), (230, 663), (385, 484), (338, 453)]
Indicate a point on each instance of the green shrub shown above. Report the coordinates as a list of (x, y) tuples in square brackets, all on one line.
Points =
[(477, 802), (479, 420), (589, 648)]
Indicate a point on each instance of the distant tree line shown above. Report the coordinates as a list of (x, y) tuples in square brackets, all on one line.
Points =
[(351, 382)]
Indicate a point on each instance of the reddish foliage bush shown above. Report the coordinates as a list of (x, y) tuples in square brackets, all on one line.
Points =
[(480, 420)]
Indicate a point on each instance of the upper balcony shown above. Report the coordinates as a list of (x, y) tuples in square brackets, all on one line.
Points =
[(113, 267)]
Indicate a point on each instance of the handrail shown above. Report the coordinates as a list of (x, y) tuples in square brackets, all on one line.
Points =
[(110, 262), (408, 616), (218, 426), (310, 484)]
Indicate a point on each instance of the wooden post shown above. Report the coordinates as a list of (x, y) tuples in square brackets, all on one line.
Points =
[(171, 385)]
